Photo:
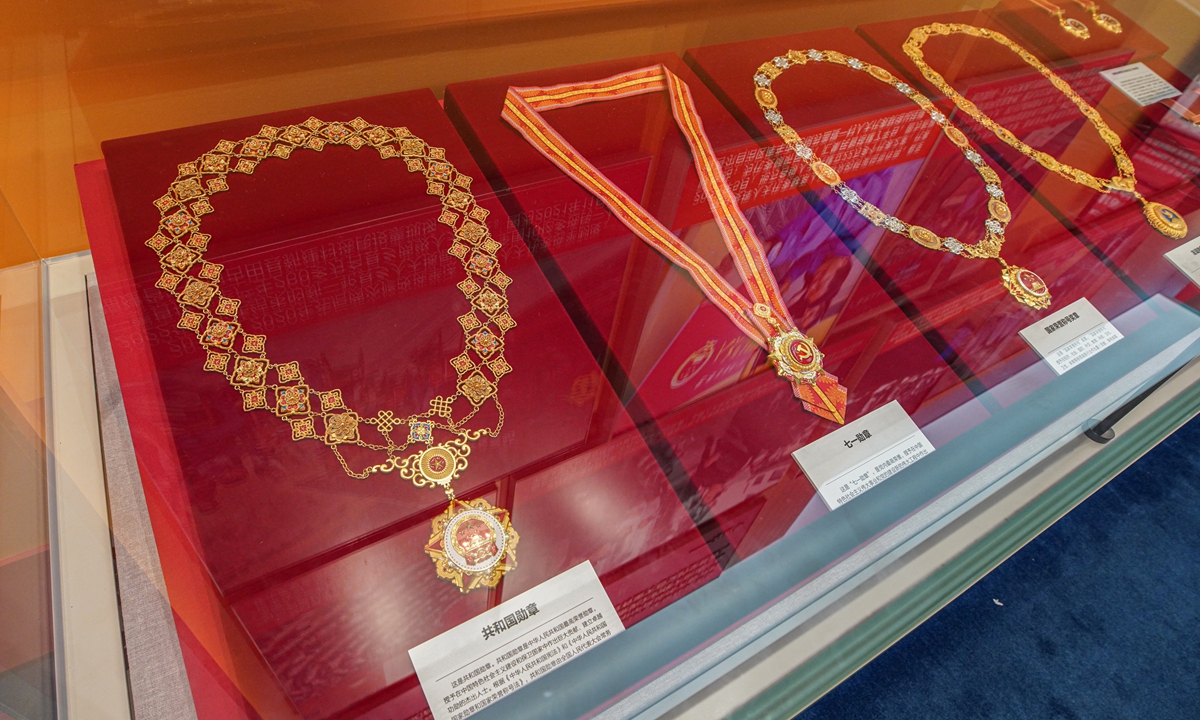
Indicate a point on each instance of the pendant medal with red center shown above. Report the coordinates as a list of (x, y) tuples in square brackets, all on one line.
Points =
[(795, 356), (1026, 286), (802, 351), (473, 544)]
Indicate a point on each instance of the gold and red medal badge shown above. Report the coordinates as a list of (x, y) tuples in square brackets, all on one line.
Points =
[(472, 543), (1026, 286), (796, 358)]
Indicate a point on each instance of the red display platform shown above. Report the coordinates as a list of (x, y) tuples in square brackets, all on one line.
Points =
[(317, 579), (914, 173), (1020, 99), (696, 388)]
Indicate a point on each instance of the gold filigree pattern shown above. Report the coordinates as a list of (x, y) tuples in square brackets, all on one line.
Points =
[(280, 387)]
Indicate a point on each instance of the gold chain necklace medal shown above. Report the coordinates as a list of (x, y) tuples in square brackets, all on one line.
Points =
[(1024, 285), (1071, 25), (1162, 218), (764, 316), (472, 542)]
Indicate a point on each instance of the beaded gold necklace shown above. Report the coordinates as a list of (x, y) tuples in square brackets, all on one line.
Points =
[(1161, 217), (1024, 284)]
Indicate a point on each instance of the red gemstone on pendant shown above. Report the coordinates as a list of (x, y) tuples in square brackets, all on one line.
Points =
[(437, 463)]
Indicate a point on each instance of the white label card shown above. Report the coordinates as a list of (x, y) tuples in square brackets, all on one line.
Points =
[(861, 454), (1073, 334), (469, 667), (1186, 258), (1141, 84)]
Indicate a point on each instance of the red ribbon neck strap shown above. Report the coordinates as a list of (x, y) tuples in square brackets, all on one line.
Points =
[(763, 317)]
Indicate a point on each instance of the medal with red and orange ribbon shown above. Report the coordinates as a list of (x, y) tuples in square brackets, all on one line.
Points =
[(763, 316)]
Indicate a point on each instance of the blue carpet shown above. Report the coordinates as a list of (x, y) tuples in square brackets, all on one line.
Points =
[(1098, 617)]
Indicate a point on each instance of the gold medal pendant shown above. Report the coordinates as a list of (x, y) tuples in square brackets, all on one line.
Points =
[(1074, 27), (796, 358), (473, 544), (1106, 21), (1026, 286), (1165, 220)]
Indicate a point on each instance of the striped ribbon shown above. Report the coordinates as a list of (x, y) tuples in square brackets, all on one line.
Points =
[(522, 108)]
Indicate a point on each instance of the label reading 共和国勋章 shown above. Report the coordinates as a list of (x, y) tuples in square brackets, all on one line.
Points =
[(1141, 84), (1073, 334), (863, 453), (471, 666)]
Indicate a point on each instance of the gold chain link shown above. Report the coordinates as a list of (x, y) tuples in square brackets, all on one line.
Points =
[(1124, 181), (323, 415)]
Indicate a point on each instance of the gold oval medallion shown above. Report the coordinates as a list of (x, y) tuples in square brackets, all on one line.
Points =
[(1165, 220), (1031, 282), (880, 74), (925, 237), (1047, 160), (765, 97), (1075, 27), (956, 136), (827, 174), (999, 210), (1108, 22)]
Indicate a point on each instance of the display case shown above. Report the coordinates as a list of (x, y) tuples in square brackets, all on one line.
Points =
[(588, 360)]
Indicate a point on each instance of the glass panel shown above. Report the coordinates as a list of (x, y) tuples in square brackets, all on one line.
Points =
[(26, 625), (642, 429)]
